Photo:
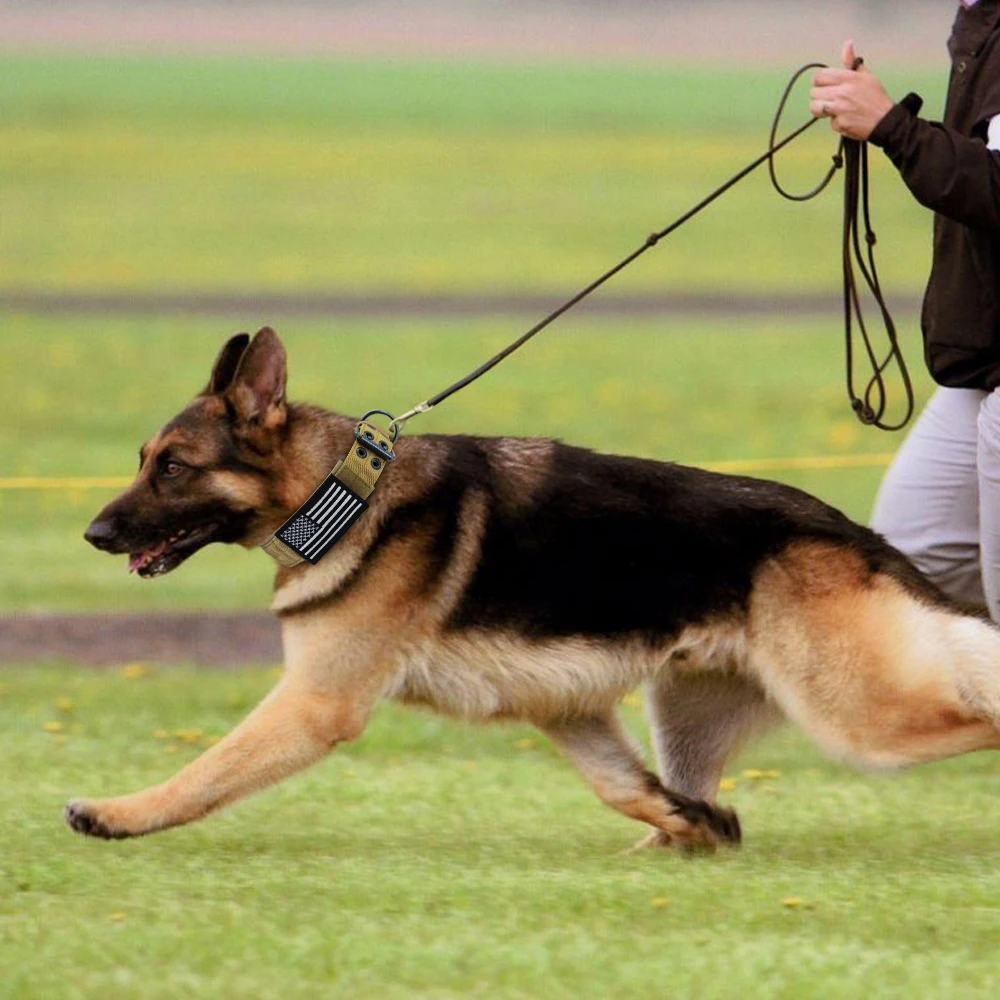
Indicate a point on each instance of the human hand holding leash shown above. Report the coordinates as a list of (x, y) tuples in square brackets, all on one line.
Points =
[(852, 98)]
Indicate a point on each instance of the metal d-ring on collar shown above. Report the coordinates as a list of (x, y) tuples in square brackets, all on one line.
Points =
[(367, 439)]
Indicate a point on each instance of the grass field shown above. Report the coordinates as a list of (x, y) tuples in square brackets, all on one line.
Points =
[(199, 174), (436, 860), (432, 860)]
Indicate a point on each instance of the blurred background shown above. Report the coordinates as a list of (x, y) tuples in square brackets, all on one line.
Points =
[(399, 189)]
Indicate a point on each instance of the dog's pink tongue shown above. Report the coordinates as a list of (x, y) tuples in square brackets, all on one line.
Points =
[(137, 560)]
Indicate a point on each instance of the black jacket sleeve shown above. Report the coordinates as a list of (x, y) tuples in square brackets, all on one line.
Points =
[(946, 171)]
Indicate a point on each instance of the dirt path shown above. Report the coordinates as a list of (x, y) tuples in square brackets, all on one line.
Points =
[(688, 31), (207, 639), (300, 304)]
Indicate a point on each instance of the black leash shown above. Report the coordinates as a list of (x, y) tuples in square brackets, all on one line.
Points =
[(853, 157)]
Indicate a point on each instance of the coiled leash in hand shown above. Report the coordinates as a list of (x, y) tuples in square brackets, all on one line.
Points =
[(852, 155), (338, 502)]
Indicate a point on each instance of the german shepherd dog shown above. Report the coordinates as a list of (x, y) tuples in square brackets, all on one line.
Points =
[(507, 578)]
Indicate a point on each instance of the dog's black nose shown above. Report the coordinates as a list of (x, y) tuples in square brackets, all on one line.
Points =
[(100, 533)]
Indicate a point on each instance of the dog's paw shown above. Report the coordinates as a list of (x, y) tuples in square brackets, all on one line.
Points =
[(726, 826), (84, 817), (706, 825), (695, 827)]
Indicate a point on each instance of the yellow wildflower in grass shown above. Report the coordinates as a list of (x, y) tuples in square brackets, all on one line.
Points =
[(524, 744), (188, 735), (117, 917), (727, 784), (160, 734), (791, 902), (133, 671), (755, 774), (632, 701), (64, 704), (52, 726), (660, 901)]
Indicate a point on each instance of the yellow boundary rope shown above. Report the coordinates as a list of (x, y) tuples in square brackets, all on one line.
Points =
[(803, 462), (64, 483), (732, 465)]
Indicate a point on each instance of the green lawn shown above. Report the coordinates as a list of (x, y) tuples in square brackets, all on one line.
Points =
[(688, 390), (438, 860), (331, 176), (432, 860)]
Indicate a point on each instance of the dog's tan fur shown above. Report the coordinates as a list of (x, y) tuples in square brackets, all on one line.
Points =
[(875, 673)]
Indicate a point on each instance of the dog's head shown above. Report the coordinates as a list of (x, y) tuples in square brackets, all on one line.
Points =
[(210, 474)]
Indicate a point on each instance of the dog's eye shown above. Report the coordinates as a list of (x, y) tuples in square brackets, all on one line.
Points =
[(172, 468)]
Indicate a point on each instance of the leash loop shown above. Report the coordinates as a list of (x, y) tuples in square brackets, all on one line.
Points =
[(871, 407), (837, 157)]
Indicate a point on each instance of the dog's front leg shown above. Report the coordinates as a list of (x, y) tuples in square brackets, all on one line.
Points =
[(294, 726)]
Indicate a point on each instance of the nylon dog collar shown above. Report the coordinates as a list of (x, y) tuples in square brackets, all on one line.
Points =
[(337, 502)]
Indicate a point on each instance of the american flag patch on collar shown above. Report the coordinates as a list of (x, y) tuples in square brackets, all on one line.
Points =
[(322, 520)]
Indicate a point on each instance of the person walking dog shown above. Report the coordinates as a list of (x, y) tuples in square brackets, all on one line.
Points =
[(940, 500)]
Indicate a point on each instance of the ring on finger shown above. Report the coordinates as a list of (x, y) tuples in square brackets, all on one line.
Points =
[(825, 108)]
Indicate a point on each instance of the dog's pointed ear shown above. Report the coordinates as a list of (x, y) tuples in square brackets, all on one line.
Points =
[(257, 391), (226, 364)]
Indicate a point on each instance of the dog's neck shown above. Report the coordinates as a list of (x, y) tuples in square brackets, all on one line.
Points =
[(315, 441)]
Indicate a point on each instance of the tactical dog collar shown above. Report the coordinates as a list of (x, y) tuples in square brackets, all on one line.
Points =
[(338, 501)]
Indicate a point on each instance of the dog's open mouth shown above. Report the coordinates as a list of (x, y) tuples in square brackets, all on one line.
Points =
[(169, 553)]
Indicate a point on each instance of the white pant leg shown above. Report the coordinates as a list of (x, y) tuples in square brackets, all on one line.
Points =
[(989, 499), (928, 503)]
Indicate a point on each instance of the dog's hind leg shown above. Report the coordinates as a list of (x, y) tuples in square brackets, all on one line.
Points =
[(605, 756), (873, 672), (699, 721)]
